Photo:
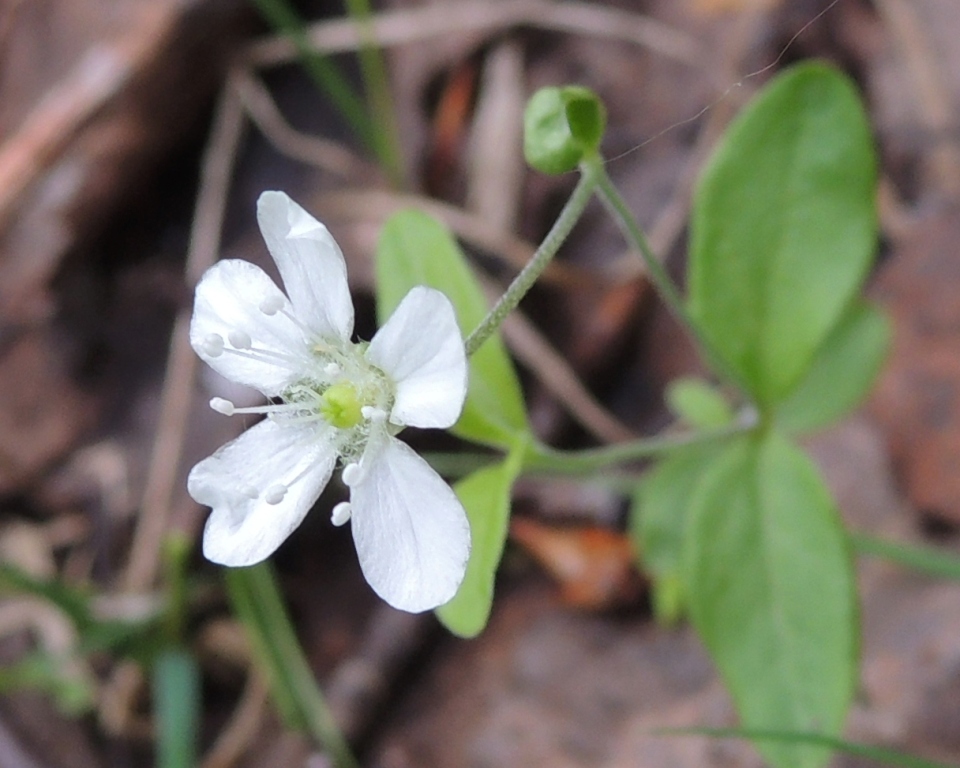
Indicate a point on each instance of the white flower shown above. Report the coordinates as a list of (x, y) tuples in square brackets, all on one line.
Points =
[(331, 399)]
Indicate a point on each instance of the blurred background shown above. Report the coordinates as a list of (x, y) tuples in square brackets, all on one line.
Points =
[(135, 137)]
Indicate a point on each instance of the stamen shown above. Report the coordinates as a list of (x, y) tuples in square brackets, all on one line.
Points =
[(341, 513), (350, 474), (268, 356), (307, 333), (332, 369), (212, 345), (269, 408), (271, 305), (275, 493), (221, 405), (371, 413), (240, 339), (249, 491)]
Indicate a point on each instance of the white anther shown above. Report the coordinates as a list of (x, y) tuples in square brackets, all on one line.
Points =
[(331, 369), (350, 474), (271, 305), (212, 345), (240, 339), (249, 491), (275, 494), (220, 405), (371, 413), (341, 513)]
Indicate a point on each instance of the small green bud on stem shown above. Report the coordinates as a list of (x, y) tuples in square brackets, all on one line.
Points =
[(561, 126)]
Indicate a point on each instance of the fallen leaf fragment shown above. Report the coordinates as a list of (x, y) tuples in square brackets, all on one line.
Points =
[(593, 566)]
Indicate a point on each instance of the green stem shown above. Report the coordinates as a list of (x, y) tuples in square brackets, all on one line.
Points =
[(924, 559), (176, 551), (386, 132), (523, 282), (541, 458), (258, 603), (325, 74), (871, 753), (632, 231)]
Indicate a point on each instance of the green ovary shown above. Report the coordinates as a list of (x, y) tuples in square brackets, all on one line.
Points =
[(340, 406)]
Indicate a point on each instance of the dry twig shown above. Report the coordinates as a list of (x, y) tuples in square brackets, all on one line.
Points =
[(412, 25), (312, 150), (154, 517)]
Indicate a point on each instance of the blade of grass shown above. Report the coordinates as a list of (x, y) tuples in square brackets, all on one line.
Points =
[(377, 86), (880, 754), (258, 604), (176, 698), (282, 16), (925, 559), (73, 602)]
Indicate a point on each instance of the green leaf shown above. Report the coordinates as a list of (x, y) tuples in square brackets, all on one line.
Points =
[(771, 592), (698, 403), (59, 675), (137, 639), (415, 249), (485, 495), (842, 372), (75, 603), (784, 227), (658, 522), (560, 126)]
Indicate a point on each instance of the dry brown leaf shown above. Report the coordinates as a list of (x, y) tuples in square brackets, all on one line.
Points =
[(594, 566), (918, 397)]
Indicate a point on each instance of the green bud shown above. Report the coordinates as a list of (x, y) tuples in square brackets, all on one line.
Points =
[(561, 126), (340, 406)]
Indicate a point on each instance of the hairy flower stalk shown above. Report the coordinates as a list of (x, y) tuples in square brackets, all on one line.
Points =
[(331, 401)]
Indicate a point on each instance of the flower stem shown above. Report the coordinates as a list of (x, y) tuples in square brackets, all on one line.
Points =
[(541, 458), (548, 248), (632, 231)]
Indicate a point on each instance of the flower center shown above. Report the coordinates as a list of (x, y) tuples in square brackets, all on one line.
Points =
[(340, 405)]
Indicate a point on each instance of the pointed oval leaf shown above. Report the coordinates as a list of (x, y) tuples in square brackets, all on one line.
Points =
[(783, 227), (842, 372), (658, 519), (771, 592), (485, 496), (415, 249)]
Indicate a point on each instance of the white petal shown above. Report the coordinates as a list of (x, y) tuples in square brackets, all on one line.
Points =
[(310, 264), (411, 532), (228, 302), (421, 349), (243, 529)]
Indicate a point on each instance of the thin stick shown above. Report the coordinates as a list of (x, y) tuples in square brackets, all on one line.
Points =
[(418, 24), (560, 380), (320, 153), (242, 727), (378, 204), (154, 516)]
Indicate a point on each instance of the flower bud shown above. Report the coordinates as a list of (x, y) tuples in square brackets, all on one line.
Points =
[(561, 125)]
